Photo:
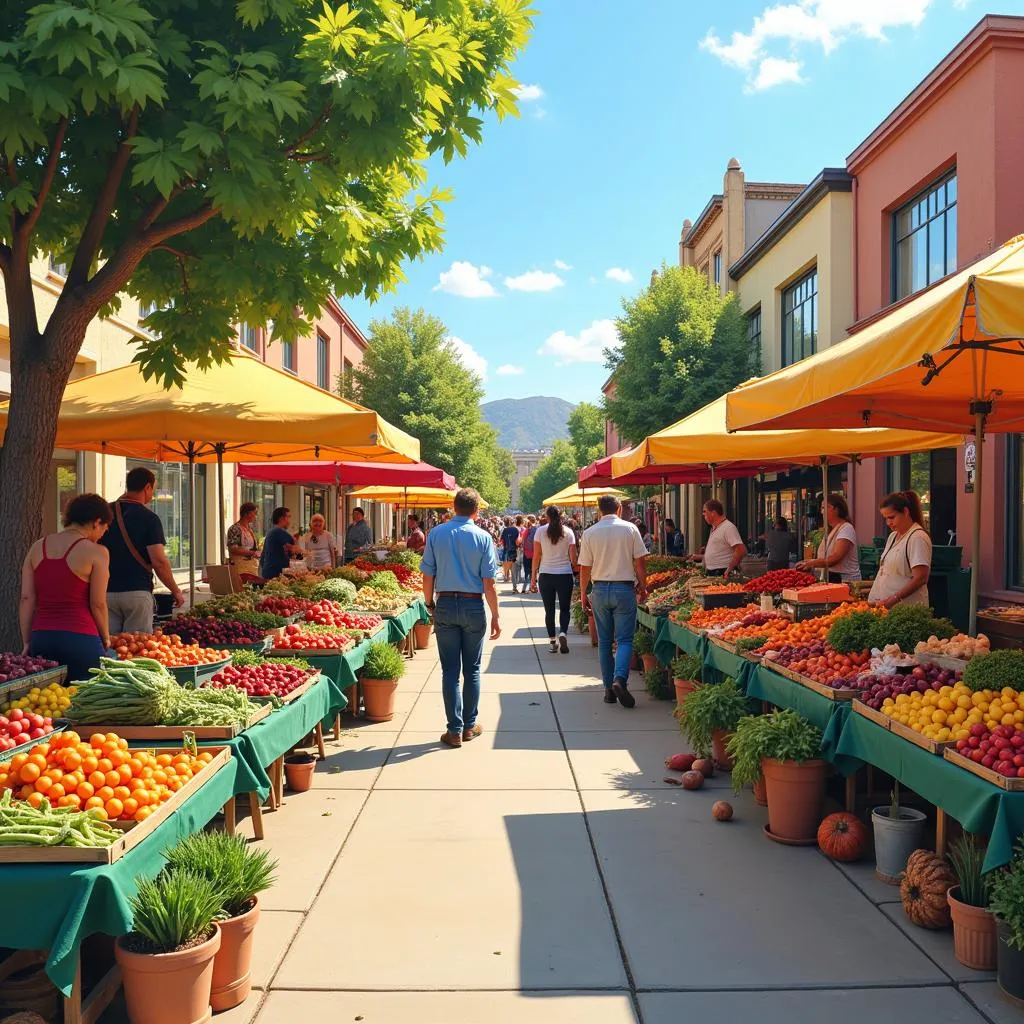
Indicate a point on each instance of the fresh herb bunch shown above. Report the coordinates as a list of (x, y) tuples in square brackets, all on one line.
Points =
[(643, 642), (708, 709), (687, 666), (658, 684), (1006, 895), (348, 572), (782, 736), (853, 633), (908, 625), (995, 671), (746, 747), (750, 643), (239, 871), (967, 857), (175, 909), (410, 559), (242, 658), (265, 620), (384, 581), (685, 610), (383, 662), (342, 591)]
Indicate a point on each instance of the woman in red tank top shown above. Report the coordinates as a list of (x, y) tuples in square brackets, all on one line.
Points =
[(64, 578)]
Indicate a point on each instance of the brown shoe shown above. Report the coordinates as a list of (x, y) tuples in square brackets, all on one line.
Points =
[(451, 739), (470, 734)]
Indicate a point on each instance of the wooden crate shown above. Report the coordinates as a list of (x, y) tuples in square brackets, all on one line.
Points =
[(860, 708), (831, 692), (176, 733), (726, 645), (319, 652), (913, 736), (295, 694), (942, 660), (1012, 785), (134, 831), (15, 688)]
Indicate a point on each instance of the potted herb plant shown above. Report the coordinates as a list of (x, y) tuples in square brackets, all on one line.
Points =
[(898, 833), (383, 667), (974, 927), (686, 670), (241, 872), (746, 749), (579, 615), (1006, 901), (643, 647), (166, 960), (709, 715), (657, 684)]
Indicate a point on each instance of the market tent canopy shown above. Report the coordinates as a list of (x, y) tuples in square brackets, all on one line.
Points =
[(702, 439), (600, 474), (409, 497), (352, 474), (924, 365), (247, 409), (575, 494)]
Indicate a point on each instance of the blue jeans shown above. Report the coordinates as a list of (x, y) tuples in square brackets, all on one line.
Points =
[(460, 626), (79, 651), (614, 607)]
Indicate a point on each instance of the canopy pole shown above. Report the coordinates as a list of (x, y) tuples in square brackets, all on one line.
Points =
[(762, 508), (824, 516), (979, 463), (714, 482), (191, 525), (664, 499), (220, 499)]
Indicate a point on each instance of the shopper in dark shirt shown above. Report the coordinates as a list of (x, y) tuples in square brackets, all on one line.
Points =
[(278, 545), (136, 544)]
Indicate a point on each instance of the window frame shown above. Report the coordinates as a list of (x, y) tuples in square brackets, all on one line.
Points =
[(788, 290), (54, 268), (289, 356), (243, 329), (895, 239), (323, 360), (755, 312), (716, 268)]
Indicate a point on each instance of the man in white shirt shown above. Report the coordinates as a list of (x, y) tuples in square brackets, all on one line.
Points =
[(612, 557), (724, 549)]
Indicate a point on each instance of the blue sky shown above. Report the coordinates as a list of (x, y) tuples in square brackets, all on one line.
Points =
[(632, 113)]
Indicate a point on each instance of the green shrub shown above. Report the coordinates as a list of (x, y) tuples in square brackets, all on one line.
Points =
[(384, 581), (1006, 895), (709, 708), (658, 684), (175, 909), (687, 666), (643, 642), (340, 590), (383, 661)]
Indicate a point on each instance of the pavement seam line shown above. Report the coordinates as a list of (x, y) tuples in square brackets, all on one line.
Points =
[(619, 941)]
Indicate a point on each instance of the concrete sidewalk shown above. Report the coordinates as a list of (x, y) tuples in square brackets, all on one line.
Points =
[(544, 873)]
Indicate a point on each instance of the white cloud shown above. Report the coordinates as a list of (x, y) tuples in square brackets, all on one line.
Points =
[(528, 93), (508, 370), (562, 265), (534, 281), (587, 347), (466, 280), (468, 356), (618, 274), (824, 23)]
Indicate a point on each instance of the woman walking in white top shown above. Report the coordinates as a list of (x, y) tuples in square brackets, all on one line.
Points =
[(837, 551), (554, 562)]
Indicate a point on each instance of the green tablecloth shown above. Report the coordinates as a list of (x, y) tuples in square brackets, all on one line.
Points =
[(761, 682), (649, 621), (72, 901), (399, 628), (670, 636), (979, 806)]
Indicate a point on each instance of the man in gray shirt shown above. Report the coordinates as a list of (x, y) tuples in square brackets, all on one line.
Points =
[(359, 536)]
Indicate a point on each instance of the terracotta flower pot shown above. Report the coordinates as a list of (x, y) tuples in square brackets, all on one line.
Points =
[(634, 662), (974, 933), (379, 698), (1009, 964), (723, 761), (760, 794), (796, 793), (683, 687), (168, 988), (232, 977), (649, 661), (421, 632), (298, 770)]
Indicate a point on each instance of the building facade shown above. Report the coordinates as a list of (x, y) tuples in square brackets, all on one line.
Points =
[(526, 462)]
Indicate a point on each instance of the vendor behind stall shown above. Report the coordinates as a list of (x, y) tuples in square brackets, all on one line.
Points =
[(837, 551), (359, 536), (278, 546), (320, 546), (243, 549), (906, 560), (724, 549)]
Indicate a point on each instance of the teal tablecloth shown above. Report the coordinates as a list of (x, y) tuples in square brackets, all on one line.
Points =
[(649, 621), (399, 627), (670, 636), (72, 901), (761, 682)]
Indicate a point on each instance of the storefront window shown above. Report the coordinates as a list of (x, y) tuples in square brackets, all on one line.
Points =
[(266, 497), (913, 473), (314, 500), (171, 503)]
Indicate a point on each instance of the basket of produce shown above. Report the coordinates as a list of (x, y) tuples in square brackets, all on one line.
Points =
[(21, 668), (387, 606), (72, 800), (327, 613), (217, 633), (273, 680), (312, 639), (778, 580), (141, 700), (953, 652), (724, 595), (19, 729)]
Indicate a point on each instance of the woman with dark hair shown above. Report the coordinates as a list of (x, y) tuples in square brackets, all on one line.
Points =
[(554, 562), (63, 612), (906, 561), (243, 549), (837, 551), (508, 542)]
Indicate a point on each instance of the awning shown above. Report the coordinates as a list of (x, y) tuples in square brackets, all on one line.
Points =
[(351, 474), (576, 495), (409, 497)]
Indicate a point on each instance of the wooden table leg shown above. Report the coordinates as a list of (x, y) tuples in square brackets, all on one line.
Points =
[(940, 832), (73, 1002), (256, 812), (851, 793), (101, 995), (318, 735), (229, 817), (279, 763), (337, 717)]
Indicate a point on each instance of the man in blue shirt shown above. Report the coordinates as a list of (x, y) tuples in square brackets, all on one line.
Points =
[(278, 545), (459, 566)]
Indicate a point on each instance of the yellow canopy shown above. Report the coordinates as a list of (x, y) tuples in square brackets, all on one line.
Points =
[(409, 497), (924, 365), (701, 439), (255, 411), (574, 495)]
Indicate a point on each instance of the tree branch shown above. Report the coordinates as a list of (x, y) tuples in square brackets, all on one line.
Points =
[(309, 158), (312, 130), (92, 235), (182, 258), (28, 224), (5, 259), (187, 222)]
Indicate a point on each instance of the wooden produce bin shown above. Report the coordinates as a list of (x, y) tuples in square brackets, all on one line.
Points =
[(176, 733)]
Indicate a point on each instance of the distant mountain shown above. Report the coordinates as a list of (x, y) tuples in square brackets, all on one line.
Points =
[(526, 423)]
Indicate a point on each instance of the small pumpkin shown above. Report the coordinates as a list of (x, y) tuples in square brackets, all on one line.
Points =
[(692, 780), (842, 836), (721, 811), (923, 889)]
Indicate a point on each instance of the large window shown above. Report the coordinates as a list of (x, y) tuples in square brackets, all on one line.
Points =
[(924, 238), (171, 501), (288, 355), (323, 361), (716, 265), (800, 319), (266, 497), (247, 334), (754, 334)]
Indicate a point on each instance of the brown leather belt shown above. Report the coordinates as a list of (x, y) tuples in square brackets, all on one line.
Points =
[(459, 593)]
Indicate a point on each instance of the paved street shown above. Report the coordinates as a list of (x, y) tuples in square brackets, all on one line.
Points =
[(544, 873)]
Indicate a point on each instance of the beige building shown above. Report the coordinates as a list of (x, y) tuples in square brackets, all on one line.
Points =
[(525, 462), (730, 222)]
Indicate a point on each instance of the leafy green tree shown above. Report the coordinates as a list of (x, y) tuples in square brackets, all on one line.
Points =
[(683, 345), (243, 158), (558, 470), (414, 379), (586, 432)]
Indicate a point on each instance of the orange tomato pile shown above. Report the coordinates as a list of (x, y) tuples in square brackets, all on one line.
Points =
[(102, 775), (662, 579), (706, 618), (801, 633), (166, 648), (770, 629), (724, 588)]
